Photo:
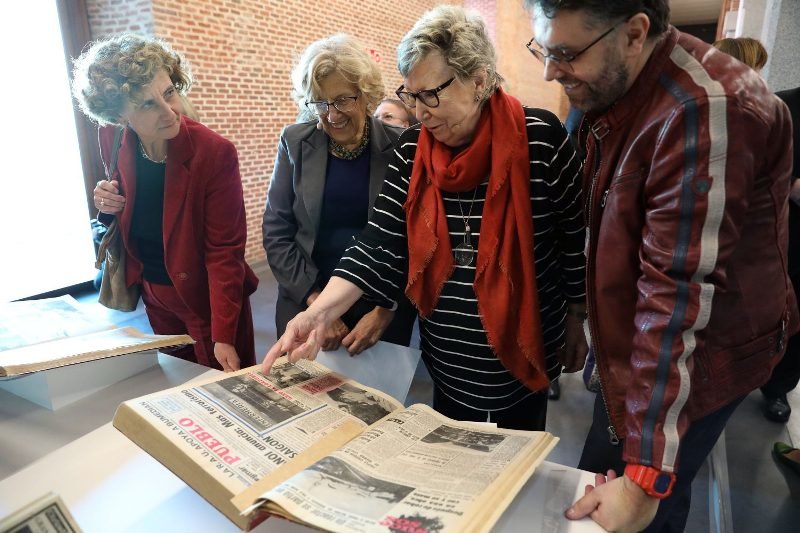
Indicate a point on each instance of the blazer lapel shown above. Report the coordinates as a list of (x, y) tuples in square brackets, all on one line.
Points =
[(314, 163), (180, 151), (381, 148)]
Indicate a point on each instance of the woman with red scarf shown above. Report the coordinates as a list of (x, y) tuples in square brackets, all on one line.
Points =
[(479, 223)]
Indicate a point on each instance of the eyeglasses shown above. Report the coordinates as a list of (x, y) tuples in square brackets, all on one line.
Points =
[(564, 61), (429, 97), (342, 104)]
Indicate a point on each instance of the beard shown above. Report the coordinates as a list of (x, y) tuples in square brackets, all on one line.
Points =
[(600, 94)]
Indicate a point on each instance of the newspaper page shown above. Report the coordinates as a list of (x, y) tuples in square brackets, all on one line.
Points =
[(414, 471), (47, 514), (34, 321), (82, 348), (238, 428)]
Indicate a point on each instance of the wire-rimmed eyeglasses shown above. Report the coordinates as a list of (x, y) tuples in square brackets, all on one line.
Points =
[(429, 97), (343, 104), (564, 60)]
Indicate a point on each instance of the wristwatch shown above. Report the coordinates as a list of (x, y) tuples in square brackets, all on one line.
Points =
[(655, 483)]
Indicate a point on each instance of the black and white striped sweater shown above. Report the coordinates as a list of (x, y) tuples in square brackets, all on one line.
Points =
[(453, 340)]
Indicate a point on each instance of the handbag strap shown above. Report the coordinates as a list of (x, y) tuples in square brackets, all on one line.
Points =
[(114, 154), (110, 234)]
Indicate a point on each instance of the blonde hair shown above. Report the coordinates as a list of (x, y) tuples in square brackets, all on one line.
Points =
[(746, 49), (461, 37), (110, 74), (344, 55)]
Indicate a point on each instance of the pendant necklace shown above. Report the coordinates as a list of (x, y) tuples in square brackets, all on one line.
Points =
[(464, 252)]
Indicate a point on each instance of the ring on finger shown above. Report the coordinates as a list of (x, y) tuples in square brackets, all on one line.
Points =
[(102, 201)]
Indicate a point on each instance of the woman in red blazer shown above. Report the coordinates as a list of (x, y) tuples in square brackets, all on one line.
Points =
[(178, 195)]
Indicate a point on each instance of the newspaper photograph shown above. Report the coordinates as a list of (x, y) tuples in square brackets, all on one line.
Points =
[(245, 425), (409, 472)]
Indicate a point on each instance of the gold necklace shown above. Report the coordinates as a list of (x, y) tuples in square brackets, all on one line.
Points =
[(144, 154), (343, 153)]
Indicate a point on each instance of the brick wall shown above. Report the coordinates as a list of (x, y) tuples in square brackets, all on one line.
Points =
[(242, 52)]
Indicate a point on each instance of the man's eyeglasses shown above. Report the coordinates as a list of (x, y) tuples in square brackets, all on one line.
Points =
[(429, 97), (565, 60), (343, 104)]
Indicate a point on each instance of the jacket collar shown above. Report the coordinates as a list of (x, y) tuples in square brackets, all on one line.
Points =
[(314, 160), (634, 99)]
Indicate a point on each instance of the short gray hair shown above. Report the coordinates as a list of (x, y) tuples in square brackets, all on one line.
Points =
[(344, 55), (461, 37)]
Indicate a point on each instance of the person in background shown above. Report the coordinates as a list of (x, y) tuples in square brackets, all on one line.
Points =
[(786, 375), (394, 112), (689, 298), (177, 195), (746, 49), (327, 174), (480, 224)]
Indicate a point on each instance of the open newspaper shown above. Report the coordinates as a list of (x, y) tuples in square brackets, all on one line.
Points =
[(52, 332), (79, 349), (317, 448)]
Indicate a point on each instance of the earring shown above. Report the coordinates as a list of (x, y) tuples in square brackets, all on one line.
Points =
[(477, 98)]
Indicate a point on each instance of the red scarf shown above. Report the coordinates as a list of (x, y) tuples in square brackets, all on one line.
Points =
[(505, 273)]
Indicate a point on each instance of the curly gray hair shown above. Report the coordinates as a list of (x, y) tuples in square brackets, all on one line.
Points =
[(112, 71), (460, 36)]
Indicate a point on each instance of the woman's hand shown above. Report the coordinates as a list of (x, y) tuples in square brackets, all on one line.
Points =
[(573, 355), (299, 341), (368, 331), (107, 198), (227, 356)]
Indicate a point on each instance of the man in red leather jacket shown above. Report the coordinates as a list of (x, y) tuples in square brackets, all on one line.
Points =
[(686, 183)]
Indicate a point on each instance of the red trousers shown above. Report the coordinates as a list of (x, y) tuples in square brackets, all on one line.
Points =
[(169, 315)]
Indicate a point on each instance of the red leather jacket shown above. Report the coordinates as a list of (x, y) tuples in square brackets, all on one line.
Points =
[(690, 303)]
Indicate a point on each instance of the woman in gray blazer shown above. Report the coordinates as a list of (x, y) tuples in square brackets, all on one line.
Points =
[(327, 174)]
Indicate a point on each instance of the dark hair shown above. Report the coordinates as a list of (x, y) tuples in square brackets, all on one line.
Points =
[(610, 10)]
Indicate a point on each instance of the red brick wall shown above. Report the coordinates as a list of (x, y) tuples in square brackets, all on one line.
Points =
[(242, 52)]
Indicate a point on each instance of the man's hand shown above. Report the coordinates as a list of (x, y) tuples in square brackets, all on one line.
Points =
[(794, 192), (333, 335), (573, 355), (368, 331), (227, 356), (615, 503)]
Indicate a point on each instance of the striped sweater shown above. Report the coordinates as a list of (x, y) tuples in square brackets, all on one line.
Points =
[(453, 341)]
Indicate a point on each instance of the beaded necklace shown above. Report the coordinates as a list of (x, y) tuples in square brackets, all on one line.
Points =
[(343, 153)]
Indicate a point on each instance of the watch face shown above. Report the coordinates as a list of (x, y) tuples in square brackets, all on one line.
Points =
[(661, 484)]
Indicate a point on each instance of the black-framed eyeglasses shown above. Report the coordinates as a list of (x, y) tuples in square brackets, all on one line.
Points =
[(565, 60), (429, 97), (343, 104)]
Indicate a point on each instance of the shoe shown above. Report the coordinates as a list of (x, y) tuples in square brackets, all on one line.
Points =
[(777, 408), (786, 455), (554, 392)]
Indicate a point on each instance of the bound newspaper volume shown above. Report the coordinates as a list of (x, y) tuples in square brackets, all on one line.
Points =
[(317, 448)]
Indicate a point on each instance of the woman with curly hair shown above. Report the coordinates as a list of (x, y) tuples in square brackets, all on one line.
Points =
[(177, 195), (327, 175)]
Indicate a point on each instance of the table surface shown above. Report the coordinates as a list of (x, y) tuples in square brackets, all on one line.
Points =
[(109, 484)]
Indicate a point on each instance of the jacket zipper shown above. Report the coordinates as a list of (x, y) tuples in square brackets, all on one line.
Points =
[(613, 438)]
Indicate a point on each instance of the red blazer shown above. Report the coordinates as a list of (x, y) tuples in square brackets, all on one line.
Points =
[(205, 227)]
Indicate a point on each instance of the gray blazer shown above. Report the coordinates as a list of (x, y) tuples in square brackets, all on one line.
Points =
[(294, 201)]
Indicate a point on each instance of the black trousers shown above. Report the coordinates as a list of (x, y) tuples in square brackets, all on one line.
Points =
[(599, 455), (786, 374), (529, 414)]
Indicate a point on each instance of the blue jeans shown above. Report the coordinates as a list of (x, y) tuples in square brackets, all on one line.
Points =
[(599, 455)]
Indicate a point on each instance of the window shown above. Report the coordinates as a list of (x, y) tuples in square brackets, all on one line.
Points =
[(45, 238)]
